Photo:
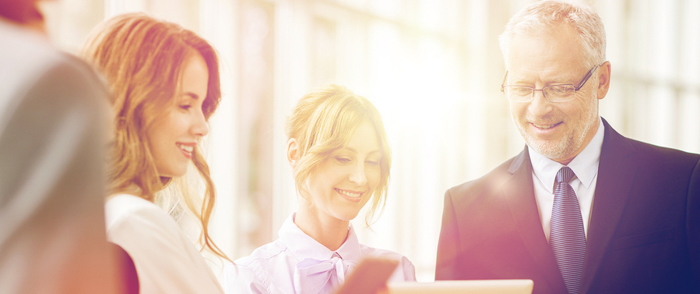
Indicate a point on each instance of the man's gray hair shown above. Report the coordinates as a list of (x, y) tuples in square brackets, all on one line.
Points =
[(544, 16)]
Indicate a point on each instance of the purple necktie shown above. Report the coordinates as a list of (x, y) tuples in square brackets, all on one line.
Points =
[(567, 238)]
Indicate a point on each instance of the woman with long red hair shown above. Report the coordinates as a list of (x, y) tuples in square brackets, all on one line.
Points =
[(164, 82)]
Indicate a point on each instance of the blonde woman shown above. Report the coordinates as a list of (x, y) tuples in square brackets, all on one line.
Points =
[(165, 85), (340, 158)]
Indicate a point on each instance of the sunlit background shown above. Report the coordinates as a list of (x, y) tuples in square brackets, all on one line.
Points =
[(433, 69)]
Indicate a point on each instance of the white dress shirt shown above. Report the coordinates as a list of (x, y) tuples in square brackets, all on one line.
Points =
[(296, 263), (166, 260), (584, 165)]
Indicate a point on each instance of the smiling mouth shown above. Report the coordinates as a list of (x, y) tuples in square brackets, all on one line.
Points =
[(186, 149), (349, 194), (545, 127)]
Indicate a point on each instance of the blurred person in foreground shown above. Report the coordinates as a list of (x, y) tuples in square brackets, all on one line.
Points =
[(340, 158), (581, 209), (164, 82), (52, 136)]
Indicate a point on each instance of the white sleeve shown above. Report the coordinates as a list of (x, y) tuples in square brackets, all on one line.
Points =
[(165, 262)]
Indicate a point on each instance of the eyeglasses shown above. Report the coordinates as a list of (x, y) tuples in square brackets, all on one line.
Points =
[(553, 93)]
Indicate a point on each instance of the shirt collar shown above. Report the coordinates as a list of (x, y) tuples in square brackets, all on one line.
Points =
[(584, 165), (302, 246)]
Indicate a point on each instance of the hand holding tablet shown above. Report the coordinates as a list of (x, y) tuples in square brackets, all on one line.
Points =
[(369, 277)]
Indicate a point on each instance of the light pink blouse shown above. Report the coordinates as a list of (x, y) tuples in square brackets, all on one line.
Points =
[(296, 263)]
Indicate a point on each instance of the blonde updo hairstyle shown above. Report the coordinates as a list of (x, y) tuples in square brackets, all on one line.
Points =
[(322, 122), (142, 59)]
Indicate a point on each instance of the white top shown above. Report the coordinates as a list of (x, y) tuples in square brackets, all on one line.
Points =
[(52, 237), (584, 165), (165, 258), (296, 263)]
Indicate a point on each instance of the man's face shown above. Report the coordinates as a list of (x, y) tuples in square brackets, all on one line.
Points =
[(560, 130)]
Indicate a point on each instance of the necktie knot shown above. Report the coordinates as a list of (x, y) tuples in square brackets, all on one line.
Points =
[(564, 175)]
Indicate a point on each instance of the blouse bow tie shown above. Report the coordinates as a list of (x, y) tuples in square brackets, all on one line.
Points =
[(312, 275)]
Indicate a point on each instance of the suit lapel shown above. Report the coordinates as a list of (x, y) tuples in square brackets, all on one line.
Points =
[(519, 193), (616, 173)]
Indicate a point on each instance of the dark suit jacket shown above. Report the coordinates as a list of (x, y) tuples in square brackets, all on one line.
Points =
[(643, 236)]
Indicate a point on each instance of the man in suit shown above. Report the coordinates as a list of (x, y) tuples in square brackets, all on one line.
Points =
[(581, 209)]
